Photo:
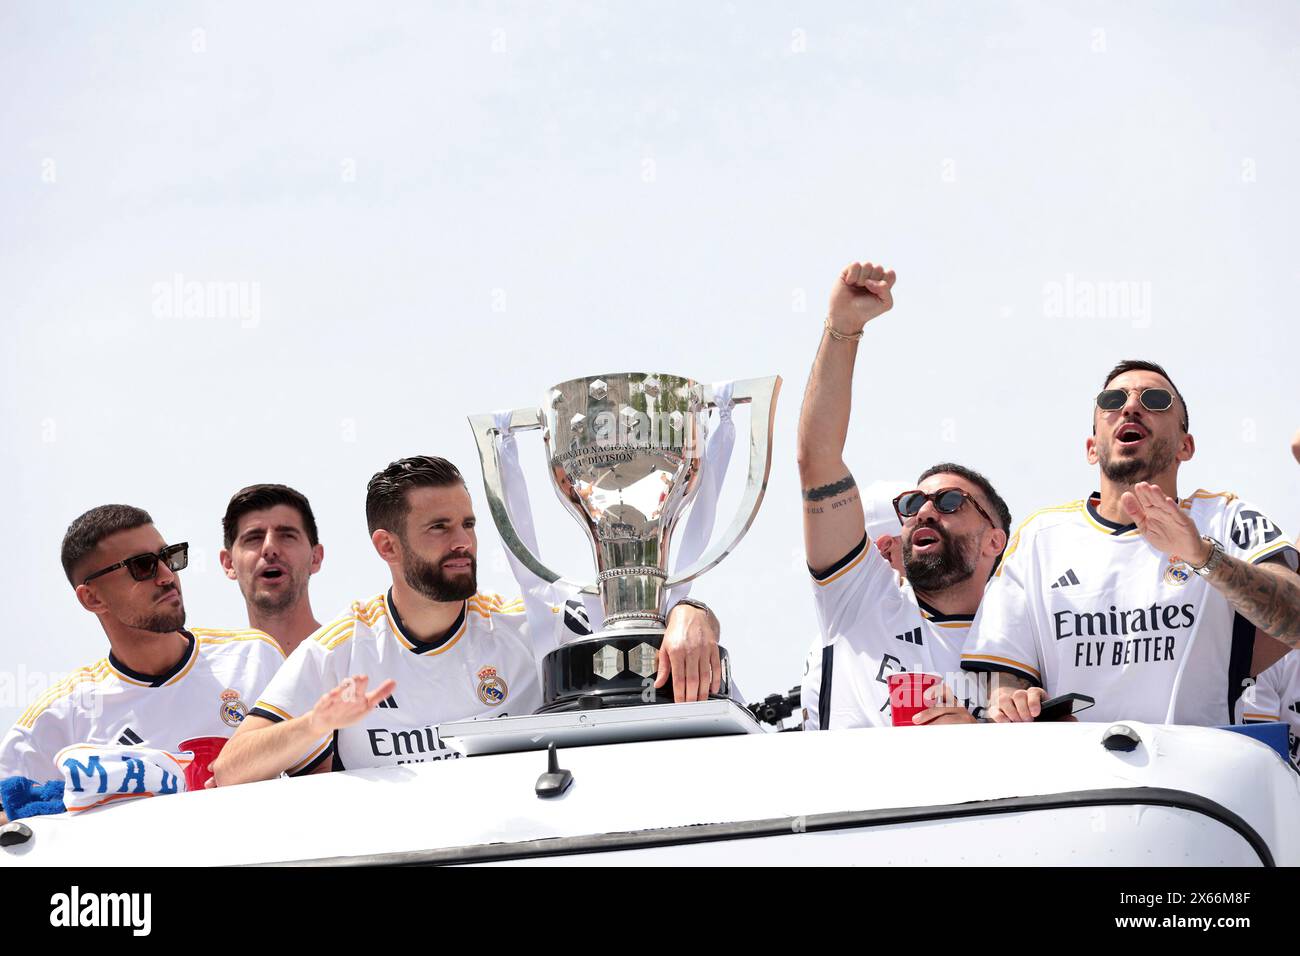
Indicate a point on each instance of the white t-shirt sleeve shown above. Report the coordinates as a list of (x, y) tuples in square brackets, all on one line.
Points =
[(855, 583), (1250, 536), (1261, 702), (29, 751), (309, 672), (1003, 633)]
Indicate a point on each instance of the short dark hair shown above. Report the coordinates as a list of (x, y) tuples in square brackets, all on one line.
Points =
[(1140, 365), (386, 504), (261, 497), (975, 478), (85, 533)]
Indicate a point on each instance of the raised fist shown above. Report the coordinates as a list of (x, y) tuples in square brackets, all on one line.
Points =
[(862, 292)]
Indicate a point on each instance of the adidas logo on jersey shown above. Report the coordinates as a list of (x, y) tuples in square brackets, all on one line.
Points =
[(130, 738), (911, 637), (1066, 579), (389, 702)]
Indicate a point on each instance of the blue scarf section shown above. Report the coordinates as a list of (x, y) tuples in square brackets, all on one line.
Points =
[(23, 797)]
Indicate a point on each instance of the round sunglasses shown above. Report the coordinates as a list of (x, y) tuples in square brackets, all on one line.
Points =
[(142, 567), (1152, 399), (946, 500)]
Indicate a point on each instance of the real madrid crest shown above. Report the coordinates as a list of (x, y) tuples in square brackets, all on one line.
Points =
[(492, 688), (233, 710), (1178, 573)]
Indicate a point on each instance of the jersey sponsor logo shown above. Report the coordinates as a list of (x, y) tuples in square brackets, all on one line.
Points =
[(414, 745), (1178, 573), (1117, 623), (1149, 648), (889, 664), (492, 687), (1066, 579), (911, 637), (1252, 529), (130, 738), (388, 703), (233, 710)]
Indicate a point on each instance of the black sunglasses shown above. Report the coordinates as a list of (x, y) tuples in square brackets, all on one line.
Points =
[(1152, 399), (144, 566), (947, 500)]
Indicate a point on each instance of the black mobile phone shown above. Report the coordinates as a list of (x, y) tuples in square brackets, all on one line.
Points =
[(1058, 708)]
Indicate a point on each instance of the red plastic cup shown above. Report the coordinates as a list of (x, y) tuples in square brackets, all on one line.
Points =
[(205, 750), (907, 695)]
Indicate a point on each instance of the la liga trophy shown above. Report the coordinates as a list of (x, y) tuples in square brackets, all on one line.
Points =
[(625, 456)]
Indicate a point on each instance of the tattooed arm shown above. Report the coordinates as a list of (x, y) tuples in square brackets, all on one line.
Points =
[(833, 520), (1266, 594)]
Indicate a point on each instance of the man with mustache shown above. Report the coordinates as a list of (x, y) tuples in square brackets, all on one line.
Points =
[(433, 648), (161, 684), (272, 549), (1146, 601), (954, 527)]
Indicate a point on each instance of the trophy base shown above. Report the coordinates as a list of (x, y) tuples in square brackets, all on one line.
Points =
[(614, 668)]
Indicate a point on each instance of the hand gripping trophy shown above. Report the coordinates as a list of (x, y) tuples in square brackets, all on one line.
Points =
[(625, 457)]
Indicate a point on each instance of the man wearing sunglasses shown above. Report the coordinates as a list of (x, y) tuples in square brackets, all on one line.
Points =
[(954, 527), (162, 686), (1146, 601)]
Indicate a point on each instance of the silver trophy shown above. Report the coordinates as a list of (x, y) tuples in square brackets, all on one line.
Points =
[(625, 453)]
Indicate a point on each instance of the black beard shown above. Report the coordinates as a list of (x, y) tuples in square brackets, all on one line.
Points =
[(430, 581), (161, 622), (1129, 471), (939, 570)]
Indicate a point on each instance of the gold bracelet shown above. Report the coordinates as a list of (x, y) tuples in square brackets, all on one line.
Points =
[(857, 337)]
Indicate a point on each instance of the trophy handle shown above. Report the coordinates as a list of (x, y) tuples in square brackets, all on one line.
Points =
[(489, 452), (761, 394)]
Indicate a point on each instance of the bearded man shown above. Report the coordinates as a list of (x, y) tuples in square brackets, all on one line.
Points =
[(954, 528), (1157, 605), (371, 687)]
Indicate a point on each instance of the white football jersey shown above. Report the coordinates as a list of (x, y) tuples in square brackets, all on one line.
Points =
[(872, 626), (483, 666), (206, 694), (1082, 605), (1275, 695)]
